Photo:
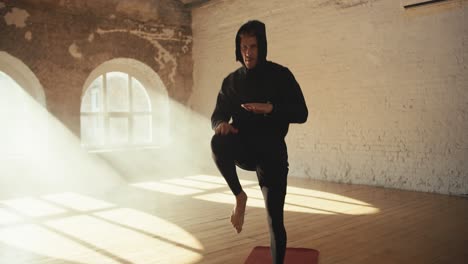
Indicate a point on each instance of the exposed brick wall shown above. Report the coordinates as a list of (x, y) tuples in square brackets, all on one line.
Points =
[(387, 88), (63, 41)]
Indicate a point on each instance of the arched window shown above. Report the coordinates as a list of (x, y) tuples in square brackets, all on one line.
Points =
[(124, 105), (22, 110), (116, 111), (22, 76)]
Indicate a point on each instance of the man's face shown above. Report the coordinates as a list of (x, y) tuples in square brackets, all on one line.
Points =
[(249, 50)]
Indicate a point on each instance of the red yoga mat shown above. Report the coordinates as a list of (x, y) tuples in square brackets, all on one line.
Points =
[(262, 255)]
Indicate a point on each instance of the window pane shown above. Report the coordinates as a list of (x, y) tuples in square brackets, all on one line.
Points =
[(92, 100), (118, 130), (140, 98), (117, 92), (142, 129), (92, 130)]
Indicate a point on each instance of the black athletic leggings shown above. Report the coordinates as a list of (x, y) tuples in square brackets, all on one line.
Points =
[(268, 157)]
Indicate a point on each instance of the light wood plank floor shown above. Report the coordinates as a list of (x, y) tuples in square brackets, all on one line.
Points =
[(186, 220)]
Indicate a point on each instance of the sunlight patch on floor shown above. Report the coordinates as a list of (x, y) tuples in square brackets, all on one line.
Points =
[(42, 241), (214, 189), (77, 202), (166, 188), (228, 198), (78, 228), (152, 225), (198, 184), (217, 179), (190, 185), (124, 243)]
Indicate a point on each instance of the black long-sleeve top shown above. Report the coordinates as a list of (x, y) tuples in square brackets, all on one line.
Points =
[(268, 82)]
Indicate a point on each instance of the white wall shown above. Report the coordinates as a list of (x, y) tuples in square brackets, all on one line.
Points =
[(387, 88)]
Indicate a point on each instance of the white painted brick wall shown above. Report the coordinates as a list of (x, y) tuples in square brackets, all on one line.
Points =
[(387, 88)]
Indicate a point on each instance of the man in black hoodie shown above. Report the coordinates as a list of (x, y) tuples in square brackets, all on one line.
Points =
[(261, 98)]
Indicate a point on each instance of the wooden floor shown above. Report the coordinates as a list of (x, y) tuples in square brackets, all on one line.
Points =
[(185, 220)]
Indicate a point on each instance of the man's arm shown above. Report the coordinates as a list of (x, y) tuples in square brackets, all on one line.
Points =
[(293, 108), (222, 114)]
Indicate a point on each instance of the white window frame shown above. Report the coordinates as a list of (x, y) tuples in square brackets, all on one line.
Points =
[(106, 115)]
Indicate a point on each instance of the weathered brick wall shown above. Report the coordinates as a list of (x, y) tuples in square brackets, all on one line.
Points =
[(63, 41), (387, 88)]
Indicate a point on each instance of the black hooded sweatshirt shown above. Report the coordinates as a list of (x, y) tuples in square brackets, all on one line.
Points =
[(268, 82)]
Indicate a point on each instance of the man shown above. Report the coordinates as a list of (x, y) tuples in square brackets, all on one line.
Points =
[(261, 98)]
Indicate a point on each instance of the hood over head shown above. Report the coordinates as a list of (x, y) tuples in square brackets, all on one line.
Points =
[(254, 28)]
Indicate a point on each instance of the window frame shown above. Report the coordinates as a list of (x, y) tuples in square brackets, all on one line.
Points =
[(106, 115)]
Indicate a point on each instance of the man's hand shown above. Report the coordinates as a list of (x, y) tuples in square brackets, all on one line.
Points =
[(225, 128), (258, 108)]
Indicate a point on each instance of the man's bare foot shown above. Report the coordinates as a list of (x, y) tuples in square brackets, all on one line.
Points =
[(237, 217)]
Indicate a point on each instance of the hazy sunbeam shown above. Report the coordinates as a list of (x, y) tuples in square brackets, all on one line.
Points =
[(39, 154), (33, 207)]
